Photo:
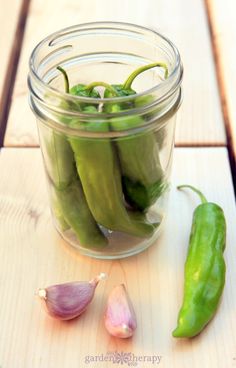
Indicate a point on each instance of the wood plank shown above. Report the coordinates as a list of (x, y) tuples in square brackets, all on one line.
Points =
[(223, 26), (200, 120), (32, 255), (9, 15)]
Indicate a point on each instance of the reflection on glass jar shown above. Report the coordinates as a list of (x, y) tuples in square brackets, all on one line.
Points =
[(108, 155)]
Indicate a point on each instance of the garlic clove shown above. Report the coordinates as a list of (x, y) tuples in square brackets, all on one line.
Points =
[(120, 319), (69, 300)]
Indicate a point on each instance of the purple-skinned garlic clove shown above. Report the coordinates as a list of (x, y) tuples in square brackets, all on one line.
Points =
[(120, 319), (69, 300)]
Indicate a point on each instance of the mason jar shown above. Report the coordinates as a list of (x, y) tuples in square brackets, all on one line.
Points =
[(107, 159)]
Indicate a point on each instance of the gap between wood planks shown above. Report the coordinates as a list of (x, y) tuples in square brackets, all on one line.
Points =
[(14, 59), (10, 76), (221, 84), (187, 146)]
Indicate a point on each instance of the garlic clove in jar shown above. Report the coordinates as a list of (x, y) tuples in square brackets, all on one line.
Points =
[(67, 301), (120, 319)]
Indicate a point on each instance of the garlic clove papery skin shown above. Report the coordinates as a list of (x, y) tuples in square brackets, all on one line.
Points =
[(69, 300), (120, 319)]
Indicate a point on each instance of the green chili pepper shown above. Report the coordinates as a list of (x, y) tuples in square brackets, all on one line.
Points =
[(80, 90), (160, 132), (78, 215), (140, 163), (204, 268), (59, 158), (142, 175), (98, 169), (60, 168), (70, 201), (57, 210)]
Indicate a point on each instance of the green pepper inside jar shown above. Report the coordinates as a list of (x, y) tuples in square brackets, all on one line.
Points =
[(105, 98)]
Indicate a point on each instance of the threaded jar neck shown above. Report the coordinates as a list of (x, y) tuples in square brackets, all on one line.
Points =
[(106, 51)]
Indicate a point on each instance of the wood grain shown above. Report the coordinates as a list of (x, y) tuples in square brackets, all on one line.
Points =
[(9, 15), (223, 26), (200, 120), (32, 255)]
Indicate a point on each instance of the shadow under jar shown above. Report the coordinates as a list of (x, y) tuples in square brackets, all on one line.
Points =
[(108, 169)]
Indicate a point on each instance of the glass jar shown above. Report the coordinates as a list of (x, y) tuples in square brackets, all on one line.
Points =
[(108, 170)]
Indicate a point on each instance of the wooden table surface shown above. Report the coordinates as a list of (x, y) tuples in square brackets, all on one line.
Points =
[(32, 254)]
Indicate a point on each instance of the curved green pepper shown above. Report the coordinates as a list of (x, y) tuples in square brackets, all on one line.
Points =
[(98, 169), (57, 210), (59, 159), (204, 268), (78, 215), (142, 175), (69, 203), (161, 132), (60, 169)]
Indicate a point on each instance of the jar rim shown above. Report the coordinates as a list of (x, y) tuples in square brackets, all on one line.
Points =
[(177, 70)]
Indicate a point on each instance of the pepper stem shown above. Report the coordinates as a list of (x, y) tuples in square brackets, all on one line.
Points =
[(141, 69), (101, 84), (66, 79), (202, 197)]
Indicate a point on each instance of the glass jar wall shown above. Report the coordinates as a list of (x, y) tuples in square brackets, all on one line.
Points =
[(107, 160)]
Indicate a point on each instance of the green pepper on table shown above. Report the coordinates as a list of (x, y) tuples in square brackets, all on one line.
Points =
[(142, 175), (204, 268)]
